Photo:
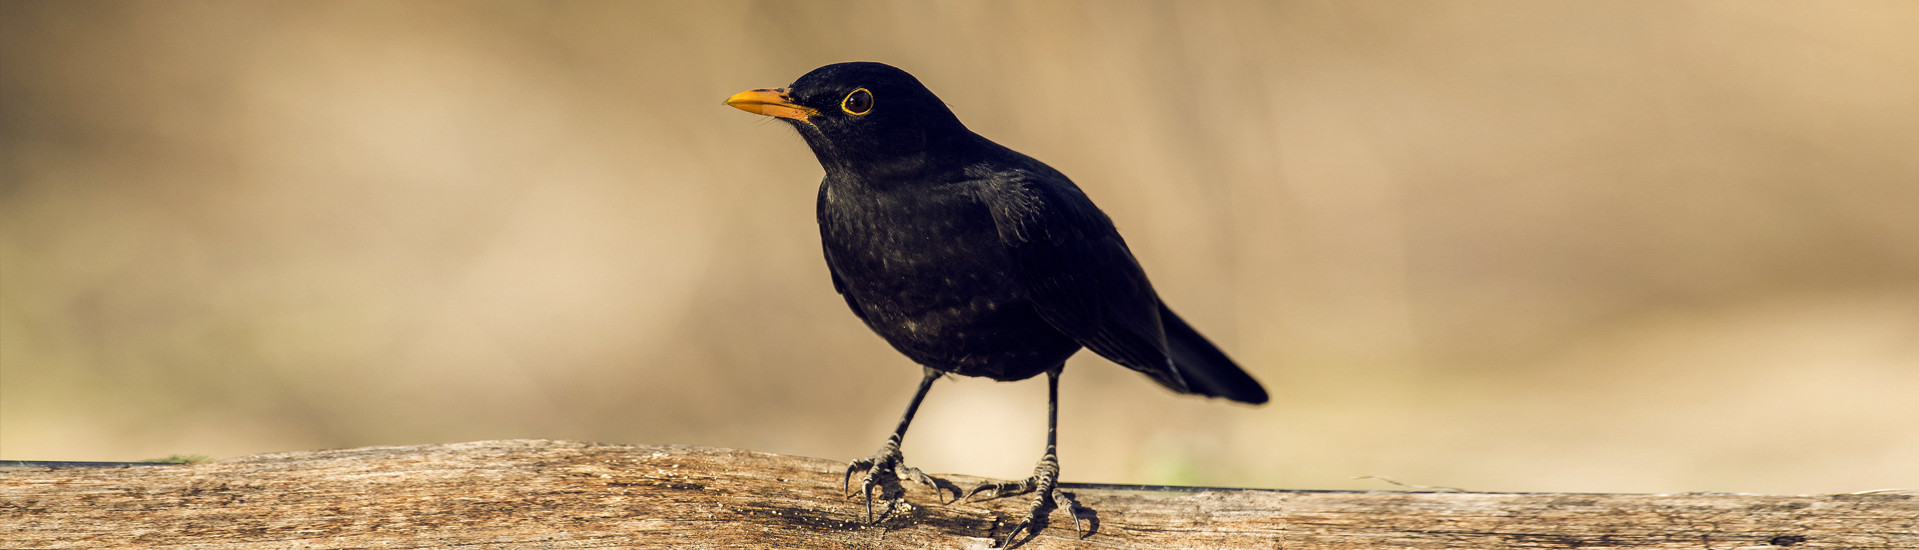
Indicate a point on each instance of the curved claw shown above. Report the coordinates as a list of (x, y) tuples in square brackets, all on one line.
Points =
[(1065, 500), (977, 490), (1042, 505), (866, 488), (940, 486), (1023, 524), (847, 484)]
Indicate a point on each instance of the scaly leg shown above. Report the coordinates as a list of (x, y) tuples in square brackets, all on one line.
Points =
[(1045, 481), (884, 468)]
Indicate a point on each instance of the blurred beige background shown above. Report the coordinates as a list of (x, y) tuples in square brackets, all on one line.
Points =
[(1507, 246)]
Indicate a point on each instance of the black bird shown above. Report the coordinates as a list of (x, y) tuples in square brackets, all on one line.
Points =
[(974, 259)]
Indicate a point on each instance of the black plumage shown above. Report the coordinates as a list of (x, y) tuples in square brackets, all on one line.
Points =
[(973, 259)]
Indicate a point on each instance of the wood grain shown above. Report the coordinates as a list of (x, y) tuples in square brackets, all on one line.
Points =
[(560, 494)]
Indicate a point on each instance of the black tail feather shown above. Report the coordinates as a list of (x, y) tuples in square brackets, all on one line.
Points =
[(1207, 370)]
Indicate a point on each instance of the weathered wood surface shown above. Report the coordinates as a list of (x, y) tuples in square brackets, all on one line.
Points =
[(557, 494)]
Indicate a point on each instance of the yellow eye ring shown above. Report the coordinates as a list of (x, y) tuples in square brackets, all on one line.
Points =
[(857, 103)]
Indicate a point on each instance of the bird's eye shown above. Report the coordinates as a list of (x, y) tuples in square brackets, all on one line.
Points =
[(857, 103)]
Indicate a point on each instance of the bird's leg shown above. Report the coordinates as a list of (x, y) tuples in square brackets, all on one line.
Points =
[(1045, 481), (884, 468)]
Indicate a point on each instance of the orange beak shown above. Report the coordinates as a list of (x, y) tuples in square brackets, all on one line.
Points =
[(770, 102)]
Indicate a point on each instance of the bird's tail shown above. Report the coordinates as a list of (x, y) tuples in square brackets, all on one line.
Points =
[(1205, 369)]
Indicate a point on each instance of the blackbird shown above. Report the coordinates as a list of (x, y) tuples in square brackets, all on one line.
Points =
[(973, 259)]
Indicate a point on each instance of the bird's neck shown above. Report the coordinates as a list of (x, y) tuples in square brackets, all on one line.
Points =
[(888, 171)]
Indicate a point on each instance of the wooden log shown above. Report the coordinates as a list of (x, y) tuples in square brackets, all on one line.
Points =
[(560, 494)]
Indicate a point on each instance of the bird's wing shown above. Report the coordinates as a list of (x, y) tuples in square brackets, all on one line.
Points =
[(840, 287), (1081, 277)]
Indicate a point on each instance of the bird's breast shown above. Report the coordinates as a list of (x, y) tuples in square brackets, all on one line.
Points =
[(935, 247), (928, 272)]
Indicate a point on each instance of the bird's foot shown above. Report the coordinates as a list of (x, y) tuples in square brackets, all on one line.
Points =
[(883, 472), (1046, 496)]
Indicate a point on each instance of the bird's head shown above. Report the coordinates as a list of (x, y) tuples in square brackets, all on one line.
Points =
[(868, 120)]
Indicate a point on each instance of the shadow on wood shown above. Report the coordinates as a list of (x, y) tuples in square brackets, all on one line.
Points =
[(560, 494)]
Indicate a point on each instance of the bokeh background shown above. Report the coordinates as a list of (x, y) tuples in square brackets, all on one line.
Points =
[(1509, 246)]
